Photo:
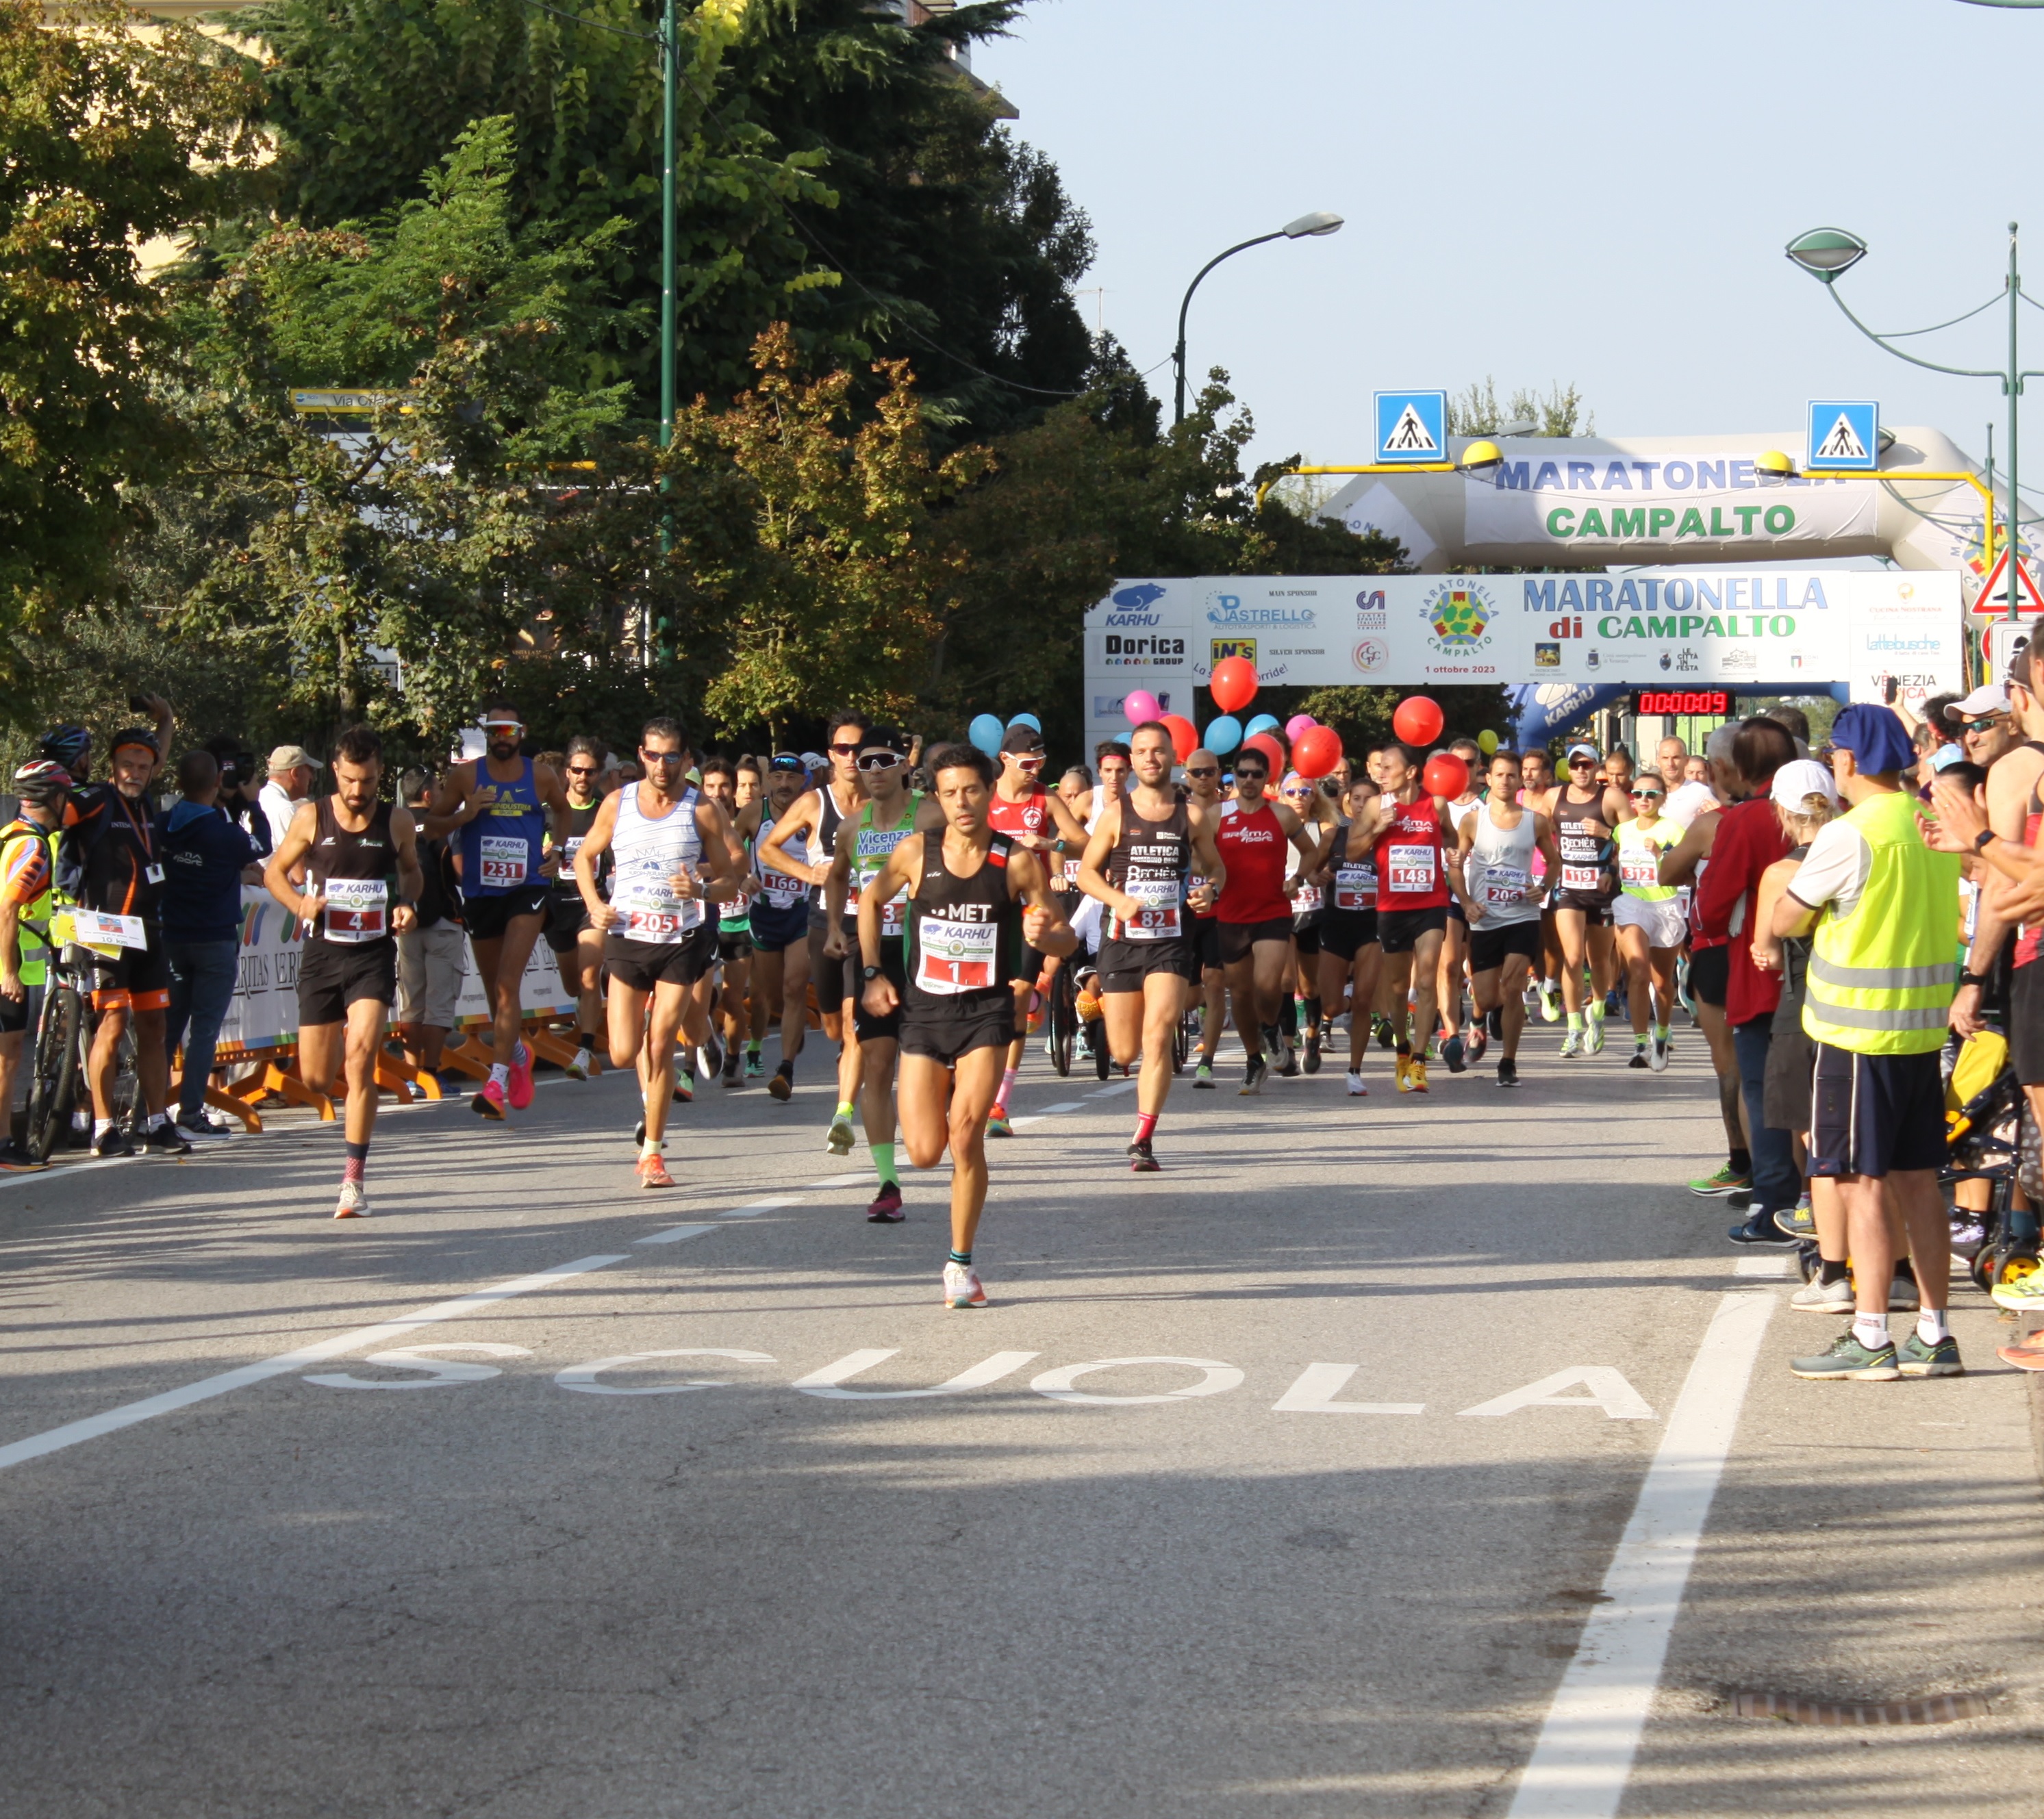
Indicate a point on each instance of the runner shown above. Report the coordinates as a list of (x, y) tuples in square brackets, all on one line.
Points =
[(812, 823), (780, 929), (672, 851), (1537, 775), (577, 948), (1408, 829), (720, 994), (1454, 938), (1024, 809), (363, 878), (504, 805), (1351, 960), (1137, 860), (1254, 912), (1585, 814), (887, 819), (1203, 786), (1648, 919), (1495, 851), (975, 899)]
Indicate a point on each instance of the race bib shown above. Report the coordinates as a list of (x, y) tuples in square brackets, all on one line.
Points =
[(783, 891), (357, 909), (1639, 869), (1307, 900), (652, 911), (564, 873), (1072, 872), (956, 958), (1411, 868), (504, 857), (1588, 878), (894, 917), (1355, 888), (1505, 886), (98, 929), (1160, 919)]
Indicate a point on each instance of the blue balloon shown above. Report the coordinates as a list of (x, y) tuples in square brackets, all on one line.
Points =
[(1029, 720), (986, 733), (1262, 723), (1223, 735)]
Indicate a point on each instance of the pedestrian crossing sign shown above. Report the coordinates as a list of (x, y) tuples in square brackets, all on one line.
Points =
[(1845, 435), (1411, 427)]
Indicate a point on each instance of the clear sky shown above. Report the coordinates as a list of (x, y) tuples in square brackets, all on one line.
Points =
[(1587, 191)]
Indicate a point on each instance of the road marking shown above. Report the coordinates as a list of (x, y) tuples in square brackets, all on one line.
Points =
[(1057, 1384), (63, 1171), (1607, 1388), (674, 1234), (825, 1382), (1067, 1105), (1318, 1386), (440, 1370), (1583, 1758), (1761, 1265), (1119, 1086), (850, 1181), (170, 1401), (755, 1207), (582, 1377)]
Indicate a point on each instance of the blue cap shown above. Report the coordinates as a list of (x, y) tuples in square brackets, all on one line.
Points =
[(1876, 737)]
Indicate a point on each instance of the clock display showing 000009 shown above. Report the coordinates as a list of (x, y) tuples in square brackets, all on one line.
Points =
[(1716, 701)]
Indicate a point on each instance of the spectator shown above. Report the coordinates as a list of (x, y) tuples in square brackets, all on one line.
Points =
[(1795, 723), (432, 954), (239, 782), (207, 858), (291, 768), (26, 856), (1669, 757), (1984, 724), (1878, 905), (1748, 840)]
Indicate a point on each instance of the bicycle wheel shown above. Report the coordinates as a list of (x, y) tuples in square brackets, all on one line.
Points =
[(50, 1086), (1182, 1043), (126, 1095), (1064, 1020)]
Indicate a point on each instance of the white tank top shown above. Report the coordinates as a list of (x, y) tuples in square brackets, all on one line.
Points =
[(780, 891), (648, 854), (1498, 874)]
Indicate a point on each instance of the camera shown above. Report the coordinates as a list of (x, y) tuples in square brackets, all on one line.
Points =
[(137, 706)]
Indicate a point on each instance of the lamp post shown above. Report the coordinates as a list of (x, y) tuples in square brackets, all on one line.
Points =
[(1307, 227), (1478, 458), (1827, 253)]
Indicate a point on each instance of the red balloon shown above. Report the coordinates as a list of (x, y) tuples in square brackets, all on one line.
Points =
[(1233, 683), (1272, 752), (1319, 750), (1185, 735), (1419, 720), (1446, 774)]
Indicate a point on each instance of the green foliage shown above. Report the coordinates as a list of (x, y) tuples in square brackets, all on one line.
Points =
[(1475, 411), (1362, 715)]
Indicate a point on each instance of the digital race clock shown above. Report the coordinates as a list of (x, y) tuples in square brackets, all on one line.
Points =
[(1712, 701)]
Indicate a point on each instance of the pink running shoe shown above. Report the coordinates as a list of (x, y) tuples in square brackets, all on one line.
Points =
[(489, 1101), (521, 1078)]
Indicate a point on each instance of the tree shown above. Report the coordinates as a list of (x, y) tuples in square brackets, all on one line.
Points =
[(1475, 411), (106, 142)]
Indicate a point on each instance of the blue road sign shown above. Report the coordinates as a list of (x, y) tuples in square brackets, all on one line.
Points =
[(1411, 426), (1845, 435)]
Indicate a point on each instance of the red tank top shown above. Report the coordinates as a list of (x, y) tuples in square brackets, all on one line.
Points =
[(1031, 815), (1252, 846), (1410, 875), (2029, 938)]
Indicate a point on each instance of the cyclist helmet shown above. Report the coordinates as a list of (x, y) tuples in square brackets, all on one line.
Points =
[(41, 782), (69, 748)]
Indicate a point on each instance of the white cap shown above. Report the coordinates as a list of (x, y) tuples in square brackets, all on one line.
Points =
[(1801, 777), (1685, 804), (1988, 698)]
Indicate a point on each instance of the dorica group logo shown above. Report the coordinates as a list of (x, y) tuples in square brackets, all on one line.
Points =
[(1457, 613)]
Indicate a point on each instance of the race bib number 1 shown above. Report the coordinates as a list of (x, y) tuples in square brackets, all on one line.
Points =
[(504, 857), (956, 958), (357, 909)]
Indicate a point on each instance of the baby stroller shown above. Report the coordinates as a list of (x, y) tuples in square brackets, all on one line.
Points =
[(1990, 1136)]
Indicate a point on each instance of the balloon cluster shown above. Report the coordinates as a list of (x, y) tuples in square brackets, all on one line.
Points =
[(987, 729)]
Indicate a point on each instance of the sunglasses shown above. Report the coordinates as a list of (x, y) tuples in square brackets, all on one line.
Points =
[(845, 751), (663, 756), (1028, 760), (1647, 795), (879, 760), (786, 760), (1308, 790), (1202, 770), (1252, 775), (1981, 725), (581, 770)]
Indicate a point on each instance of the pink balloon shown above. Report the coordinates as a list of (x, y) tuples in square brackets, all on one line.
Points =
[(1139, 705), (1297, 724)]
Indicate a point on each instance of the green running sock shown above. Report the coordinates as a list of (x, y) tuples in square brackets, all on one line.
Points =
[(1597, 1009), (844, 1110), (962, 1257), (1660, 1032), (883, 1163), (1575, 1020), (752, 1048)]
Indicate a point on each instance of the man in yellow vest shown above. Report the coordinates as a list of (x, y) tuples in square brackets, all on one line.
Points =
[(1879, 907), (26, 856)]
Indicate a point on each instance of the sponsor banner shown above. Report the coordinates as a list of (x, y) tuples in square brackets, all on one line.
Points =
[(264, 1013)]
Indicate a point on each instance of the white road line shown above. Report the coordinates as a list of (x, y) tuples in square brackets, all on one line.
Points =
[(753, 1207), (1119, 1086), (1052, 1110), (674, 1234), (170, 1401), (1775, 1265), (63, 1171), (1580, 1765), (850, 1181)]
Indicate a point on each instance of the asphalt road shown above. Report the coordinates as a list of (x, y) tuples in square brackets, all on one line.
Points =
[(1455, 1441)]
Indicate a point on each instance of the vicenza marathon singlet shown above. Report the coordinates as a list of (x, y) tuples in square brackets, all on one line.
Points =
[(649, 852), (870, 855)]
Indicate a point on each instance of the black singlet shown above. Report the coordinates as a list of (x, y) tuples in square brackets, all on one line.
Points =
[(1150, 861), (1589, 874), (357, 874), (964, 937)]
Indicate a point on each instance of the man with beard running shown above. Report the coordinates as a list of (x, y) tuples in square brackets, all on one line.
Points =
[(780, 928), (577, 947), (1495, 850), (1136, 863), (1585, 814), (362, 883)]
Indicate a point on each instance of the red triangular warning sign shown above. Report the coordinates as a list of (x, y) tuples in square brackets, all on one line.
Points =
[(1993, 596)]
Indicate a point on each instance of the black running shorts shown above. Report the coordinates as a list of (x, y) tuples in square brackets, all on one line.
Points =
[(836, 976), (733, 944), (335, 974), (1398, 931), (1875, 1114), (1306, 935), (774, 930), (639, 966), (1709, 971), (1206, 941), (1124, 965), (865, 1025), (943, 1038), (566, 917), (1346, 933), (1489, 946), (1238, 937), (488, 917), (2025, 1020), (139, 977)]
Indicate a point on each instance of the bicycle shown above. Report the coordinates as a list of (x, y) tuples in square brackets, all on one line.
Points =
[(1061, 1013), (63, 1052)]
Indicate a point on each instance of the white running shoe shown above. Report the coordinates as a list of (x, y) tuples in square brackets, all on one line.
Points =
[(962, 1287), (838, 1139), (1594, 1045), (579, 1068), (1551, 1005), (1356, 1088), (1572, 1043), (1657, 1059), (1816, 1297), (354, 1201)]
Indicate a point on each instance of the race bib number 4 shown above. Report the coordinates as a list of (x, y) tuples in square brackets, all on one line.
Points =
[(1411, 868), (98, 929), (956, 958), (504, 857), (357, 909)]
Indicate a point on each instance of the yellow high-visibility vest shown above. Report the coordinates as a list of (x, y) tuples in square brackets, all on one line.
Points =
[(1882, 978)]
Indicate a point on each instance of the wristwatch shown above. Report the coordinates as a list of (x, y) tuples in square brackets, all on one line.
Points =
[(1981, 839), (1974, 979), (870, 973)]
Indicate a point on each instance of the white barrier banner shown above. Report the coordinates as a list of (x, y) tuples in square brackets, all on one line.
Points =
[(264, 1013)]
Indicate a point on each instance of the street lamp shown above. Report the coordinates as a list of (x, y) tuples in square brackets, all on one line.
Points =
[(1826, 253), (1480, 457), (1307, 227)]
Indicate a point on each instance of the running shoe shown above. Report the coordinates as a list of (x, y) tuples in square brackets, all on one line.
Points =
[(755, 1065), (1479, 1041), (1550, 1004), (1969, 1232), (838, 1139), (780, 1087), (1508, 1071), (886, 1208), (1797, 1221), (639, 1134), (1356, 1088), (578, 1066), (1611, 1004), (1639, 1056), (1817, 1296), (1252, 1078), (1404, 1073), (16, 1161), (653, 1172), (1203, 1077), (2029, 1356), (1739, 1199), (521, 1093), (685, 1082), (1658, 1054), (1759, 1232), (1683, 995), (354, 1201), (1418, 1073), (1313, 1052), (729, 1076), (451, 1084), (165, 1139), (962, 1287), (2024, 1296), (1454, 1053), (997, 1124), (1918, 1359), (1494, 1024), (1288, 1069), (1386, 1037), (1593, 1044), (1902, 1296), (1727, 1180), (1848, 1358), (489, 1101), (712, 1053), (202, 1127), (1572, 1043), (1141, 1161)]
